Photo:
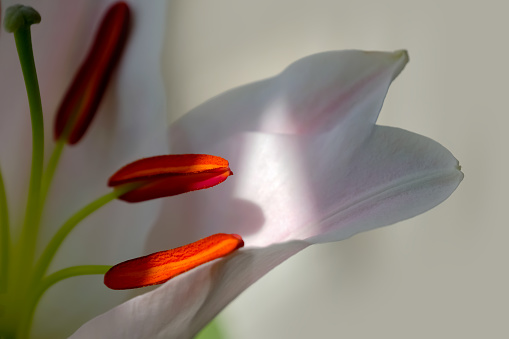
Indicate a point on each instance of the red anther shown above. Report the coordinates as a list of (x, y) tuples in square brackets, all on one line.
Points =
[(86, 91), (160, 267), (167, 175)]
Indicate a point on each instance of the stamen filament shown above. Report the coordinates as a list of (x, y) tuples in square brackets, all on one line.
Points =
[(29, 232), (5, 240), (53, 246), (50, 169), (70, 272), (51, 280)]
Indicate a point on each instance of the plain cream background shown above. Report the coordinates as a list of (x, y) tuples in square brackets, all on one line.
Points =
[(440, 275)]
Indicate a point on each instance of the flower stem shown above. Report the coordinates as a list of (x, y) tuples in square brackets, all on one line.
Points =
[(5, 240), (29, 232), (53, 246)]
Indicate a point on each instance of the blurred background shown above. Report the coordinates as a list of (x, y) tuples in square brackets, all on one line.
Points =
[(440, 275)]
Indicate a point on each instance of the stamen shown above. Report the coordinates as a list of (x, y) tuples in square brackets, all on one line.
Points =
[(57, 240), (5, 238), (160, 267), (36, 293), (168, 175), (83, 97), (18, 19)]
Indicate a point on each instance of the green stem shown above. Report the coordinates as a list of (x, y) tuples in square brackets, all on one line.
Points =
[(5, 240), (53, 246), (50, 170), (29, 232), (69, 272)]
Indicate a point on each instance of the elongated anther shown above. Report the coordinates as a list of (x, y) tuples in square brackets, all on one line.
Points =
[(168, 175), (160, 267), (86, 91)]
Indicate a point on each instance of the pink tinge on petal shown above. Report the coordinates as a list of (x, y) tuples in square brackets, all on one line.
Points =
[(87, 89)]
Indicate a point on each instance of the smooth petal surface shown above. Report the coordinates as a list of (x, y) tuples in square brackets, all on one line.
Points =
[(310, 167), (179, 308), (132, 109)]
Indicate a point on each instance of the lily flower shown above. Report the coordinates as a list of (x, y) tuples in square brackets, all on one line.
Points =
[(311, 166)]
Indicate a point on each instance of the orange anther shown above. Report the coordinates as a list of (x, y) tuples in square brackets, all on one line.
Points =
[(161, 266), (168, 175)]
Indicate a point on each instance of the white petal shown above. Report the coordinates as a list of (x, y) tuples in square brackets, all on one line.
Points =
[(185, 304), (311, 95), (270, 187), (316, 178), (393, 176)]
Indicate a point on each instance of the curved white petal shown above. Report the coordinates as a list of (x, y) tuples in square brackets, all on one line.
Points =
[(273, 133), (181, 307), (311, 96), (393, 176), (310, 166)]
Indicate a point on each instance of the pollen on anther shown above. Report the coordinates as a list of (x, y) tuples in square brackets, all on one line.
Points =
[(168, 175), (159, 267)]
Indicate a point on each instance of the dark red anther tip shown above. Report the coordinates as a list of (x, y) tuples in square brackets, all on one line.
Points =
[(83, 97)]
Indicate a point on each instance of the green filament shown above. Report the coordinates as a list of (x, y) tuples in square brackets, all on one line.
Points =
[(5, 240), (30, 294), (50, 170), (39, 289), (70, 272), (21, 282), (29, 233), (70, 224)]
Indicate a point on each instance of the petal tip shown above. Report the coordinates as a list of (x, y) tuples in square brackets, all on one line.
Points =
[(401, 54)]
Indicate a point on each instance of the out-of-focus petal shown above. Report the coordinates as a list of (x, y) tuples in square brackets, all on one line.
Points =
[(311, 166), (133, 108)]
